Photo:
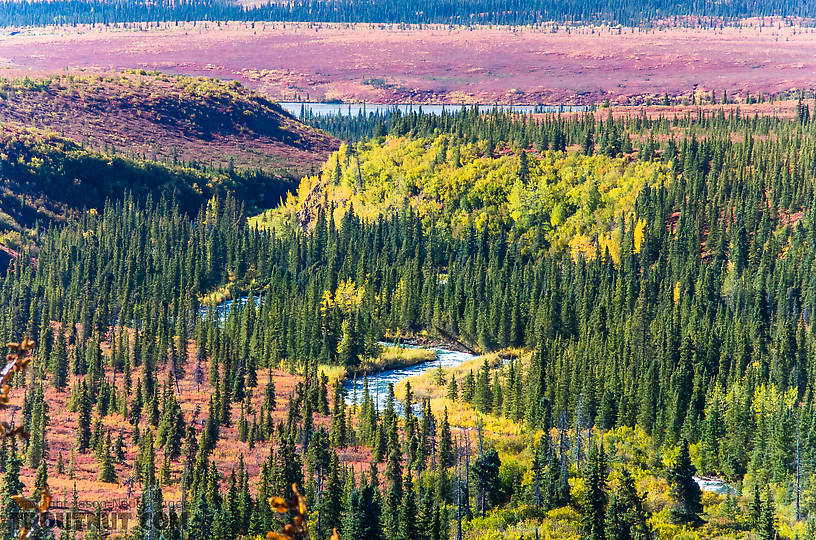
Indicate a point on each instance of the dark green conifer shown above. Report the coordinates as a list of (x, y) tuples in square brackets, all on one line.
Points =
[(684, 490)]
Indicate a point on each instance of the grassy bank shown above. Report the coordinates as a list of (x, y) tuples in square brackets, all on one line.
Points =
[(396, 357), (434, 383), (393, 357)]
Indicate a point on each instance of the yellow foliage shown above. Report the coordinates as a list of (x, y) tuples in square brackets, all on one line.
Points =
[(610, 242), (346, 297), (640, 233), (581, 197), (665, 530), (332, 372), (396, 357)]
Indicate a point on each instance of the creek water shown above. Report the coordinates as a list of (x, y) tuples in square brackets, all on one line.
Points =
[(714, 485), (378, 381)]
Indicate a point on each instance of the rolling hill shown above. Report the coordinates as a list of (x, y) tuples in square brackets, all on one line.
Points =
[(46, 177), (175, 119), (565, 201), (69, 143)]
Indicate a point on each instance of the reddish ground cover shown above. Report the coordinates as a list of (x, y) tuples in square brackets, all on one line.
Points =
[(62, 431), (378, 63), (173, 119)]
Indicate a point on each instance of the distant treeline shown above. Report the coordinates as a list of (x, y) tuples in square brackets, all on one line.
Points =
[(504, 12), (367, 125)]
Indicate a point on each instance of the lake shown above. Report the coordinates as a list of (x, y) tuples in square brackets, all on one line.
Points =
[(347, 109)]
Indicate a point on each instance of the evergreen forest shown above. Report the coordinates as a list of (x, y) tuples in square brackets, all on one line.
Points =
[(637, 293)]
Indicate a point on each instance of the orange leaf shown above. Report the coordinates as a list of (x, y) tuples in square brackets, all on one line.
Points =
[(45, 502), (278, 505), (23, 503), (300, 500)]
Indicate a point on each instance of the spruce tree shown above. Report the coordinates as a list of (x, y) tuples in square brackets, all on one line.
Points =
[(394, 493), (408, 529), (11, 521), (338, 423), (469, 387), (632, 518), (269, 395), (171, 425), (684, 490), (766, 528), (556, 485), (595, 496), (107, 472), (332, 502), (59, 361), (353, 520), (40, 480), (485, 474), (453, 391), (37, 444), (537, 468), (446, 457), (483, 397), (202, 518), (755, 510), (119, 447), (84, 420)]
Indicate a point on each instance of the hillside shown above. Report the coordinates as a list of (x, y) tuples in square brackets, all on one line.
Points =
[(48, 178), (168, 118), (565, 201), (686, 352)]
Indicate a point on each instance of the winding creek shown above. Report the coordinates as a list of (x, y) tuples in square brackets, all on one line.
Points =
[(378, 387), (378, 381)]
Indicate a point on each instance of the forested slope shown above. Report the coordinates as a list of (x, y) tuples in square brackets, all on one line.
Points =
[(75, 142), (691, 350), (48, 178), (557, 200)]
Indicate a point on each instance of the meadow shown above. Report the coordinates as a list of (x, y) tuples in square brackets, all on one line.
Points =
[(547, 64)]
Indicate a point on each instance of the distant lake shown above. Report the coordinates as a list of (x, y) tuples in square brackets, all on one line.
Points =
[(346, 109)]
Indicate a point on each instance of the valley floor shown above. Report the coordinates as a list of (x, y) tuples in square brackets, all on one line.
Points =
[(387, 64)]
